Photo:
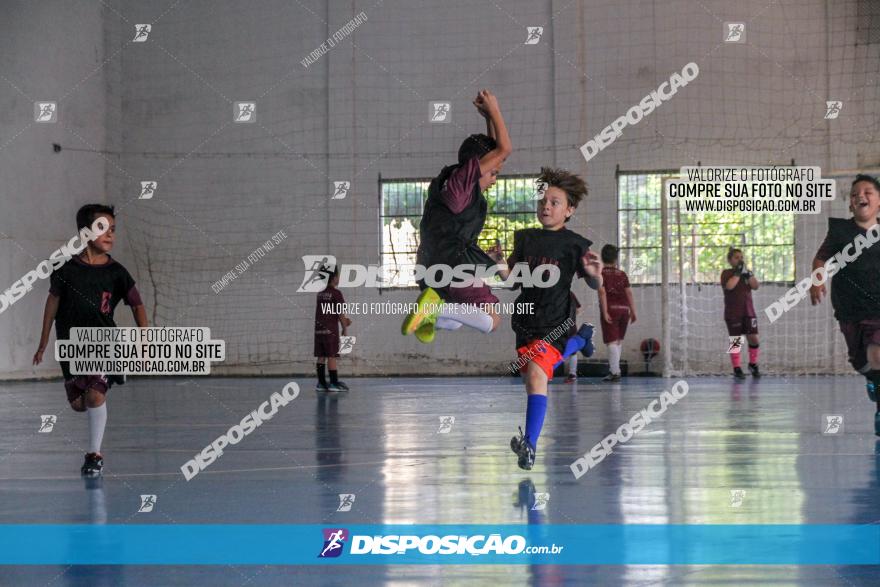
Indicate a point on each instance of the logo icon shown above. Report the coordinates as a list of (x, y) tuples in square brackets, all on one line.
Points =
[(148, 502), (832, 109), (833, 424), (346, 344), (441, 112), (334, 540), (47, 423), (735, 344), (245, 112), (736, 497), (45, 112), (346, 500), (319, 268), (541, 500), (141, 32), (446, 423), (148, 190), (340, 190), (734, 32), (540, 188), (533, 34)]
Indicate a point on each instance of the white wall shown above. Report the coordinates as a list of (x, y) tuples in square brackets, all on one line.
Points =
[(361, 111), (48, 51)]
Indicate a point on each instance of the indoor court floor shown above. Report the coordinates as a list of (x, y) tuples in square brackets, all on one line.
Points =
[(727, 453)]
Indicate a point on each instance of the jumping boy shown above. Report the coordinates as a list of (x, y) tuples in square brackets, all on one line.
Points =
[(617, 307), (539, 347), (84, 292), (739, 311), (855, 289), (328, 317), (455, 212)]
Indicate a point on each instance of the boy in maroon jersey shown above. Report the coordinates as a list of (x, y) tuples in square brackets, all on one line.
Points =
[(453, 219), (739, 311), (855, 288), (617, 307), (328, 315)]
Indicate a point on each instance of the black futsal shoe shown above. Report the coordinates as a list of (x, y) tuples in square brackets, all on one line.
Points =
[(738, 374), (753, 368), (338, 386), (523, 450), (93, 465)]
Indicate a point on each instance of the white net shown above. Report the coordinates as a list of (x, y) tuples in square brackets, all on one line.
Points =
[(361, 115)]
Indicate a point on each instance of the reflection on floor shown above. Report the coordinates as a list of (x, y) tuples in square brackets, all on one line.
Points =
[(751, 452)]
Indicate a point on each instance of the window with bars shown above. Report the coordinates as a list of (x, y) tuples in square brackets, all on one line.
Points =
[(511, 207), (698, 241)]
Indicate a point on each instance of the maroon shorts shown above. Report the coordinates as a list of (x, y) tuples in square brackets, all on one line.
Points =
[(472, 294), (326, 345), (858, 336), (77, 385), (616, 329), (744, 325)]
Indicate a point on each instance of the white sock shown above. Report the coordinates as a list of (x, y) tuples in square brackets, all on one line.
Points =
[(468, 316), (573, 365), (614, 358), (97, 422), (447, 324)]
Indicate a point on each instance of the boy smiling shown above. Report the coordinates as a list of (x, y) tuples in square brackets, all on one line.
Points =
[(555, 245)]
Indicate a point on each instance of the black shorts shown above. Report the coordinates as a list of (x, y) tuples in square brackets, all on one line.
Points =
[(858, 336), (326, 345), (744, 325)]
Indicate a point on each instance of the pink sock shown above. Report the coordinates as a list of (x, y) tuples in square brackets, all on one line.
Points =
[(736, 360), (753, 354)]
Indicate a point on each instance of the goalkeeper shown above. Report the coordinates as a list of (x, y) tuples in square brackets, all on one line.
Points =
[(739, 311)]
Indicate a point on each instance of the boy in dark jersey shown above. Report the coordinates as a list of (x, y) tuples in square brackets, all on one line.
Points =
[(617, 307), (454, 214), (541, 334), (84, 293), (328, 315), (739, 311), (855, 288)]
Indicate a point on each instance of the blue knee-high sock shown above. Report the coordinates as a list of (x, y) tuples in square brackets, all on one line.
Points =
[(582, 341), (535, 410)]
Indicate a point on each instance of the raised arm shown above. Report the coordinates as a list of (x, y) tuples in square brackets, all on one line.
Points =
[(487, 103)]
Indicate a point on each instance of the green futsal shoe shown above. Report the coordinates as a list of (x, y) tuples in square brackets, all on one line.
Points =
[(425, 333), (428, 308)]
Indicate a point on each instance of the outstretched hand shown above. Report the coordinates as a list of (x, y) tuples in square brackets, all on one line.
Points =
[(817, 292), (496, 254), (592, 264)]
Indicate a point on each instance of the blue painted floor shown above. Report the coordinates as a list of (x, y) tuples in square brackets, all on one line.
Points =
[(763, 441)]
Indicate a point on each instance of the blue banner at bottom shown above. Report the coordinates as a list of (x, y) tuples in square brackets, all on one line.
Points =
[(194, 544)]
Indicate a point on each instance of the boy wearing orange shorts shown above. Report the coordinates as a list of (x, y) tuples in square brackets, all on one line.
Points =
[(542, 319)]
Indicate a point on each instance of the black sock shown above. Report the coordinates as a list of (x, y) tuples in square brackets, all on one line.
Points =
[(333, 376), (321, 378)]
